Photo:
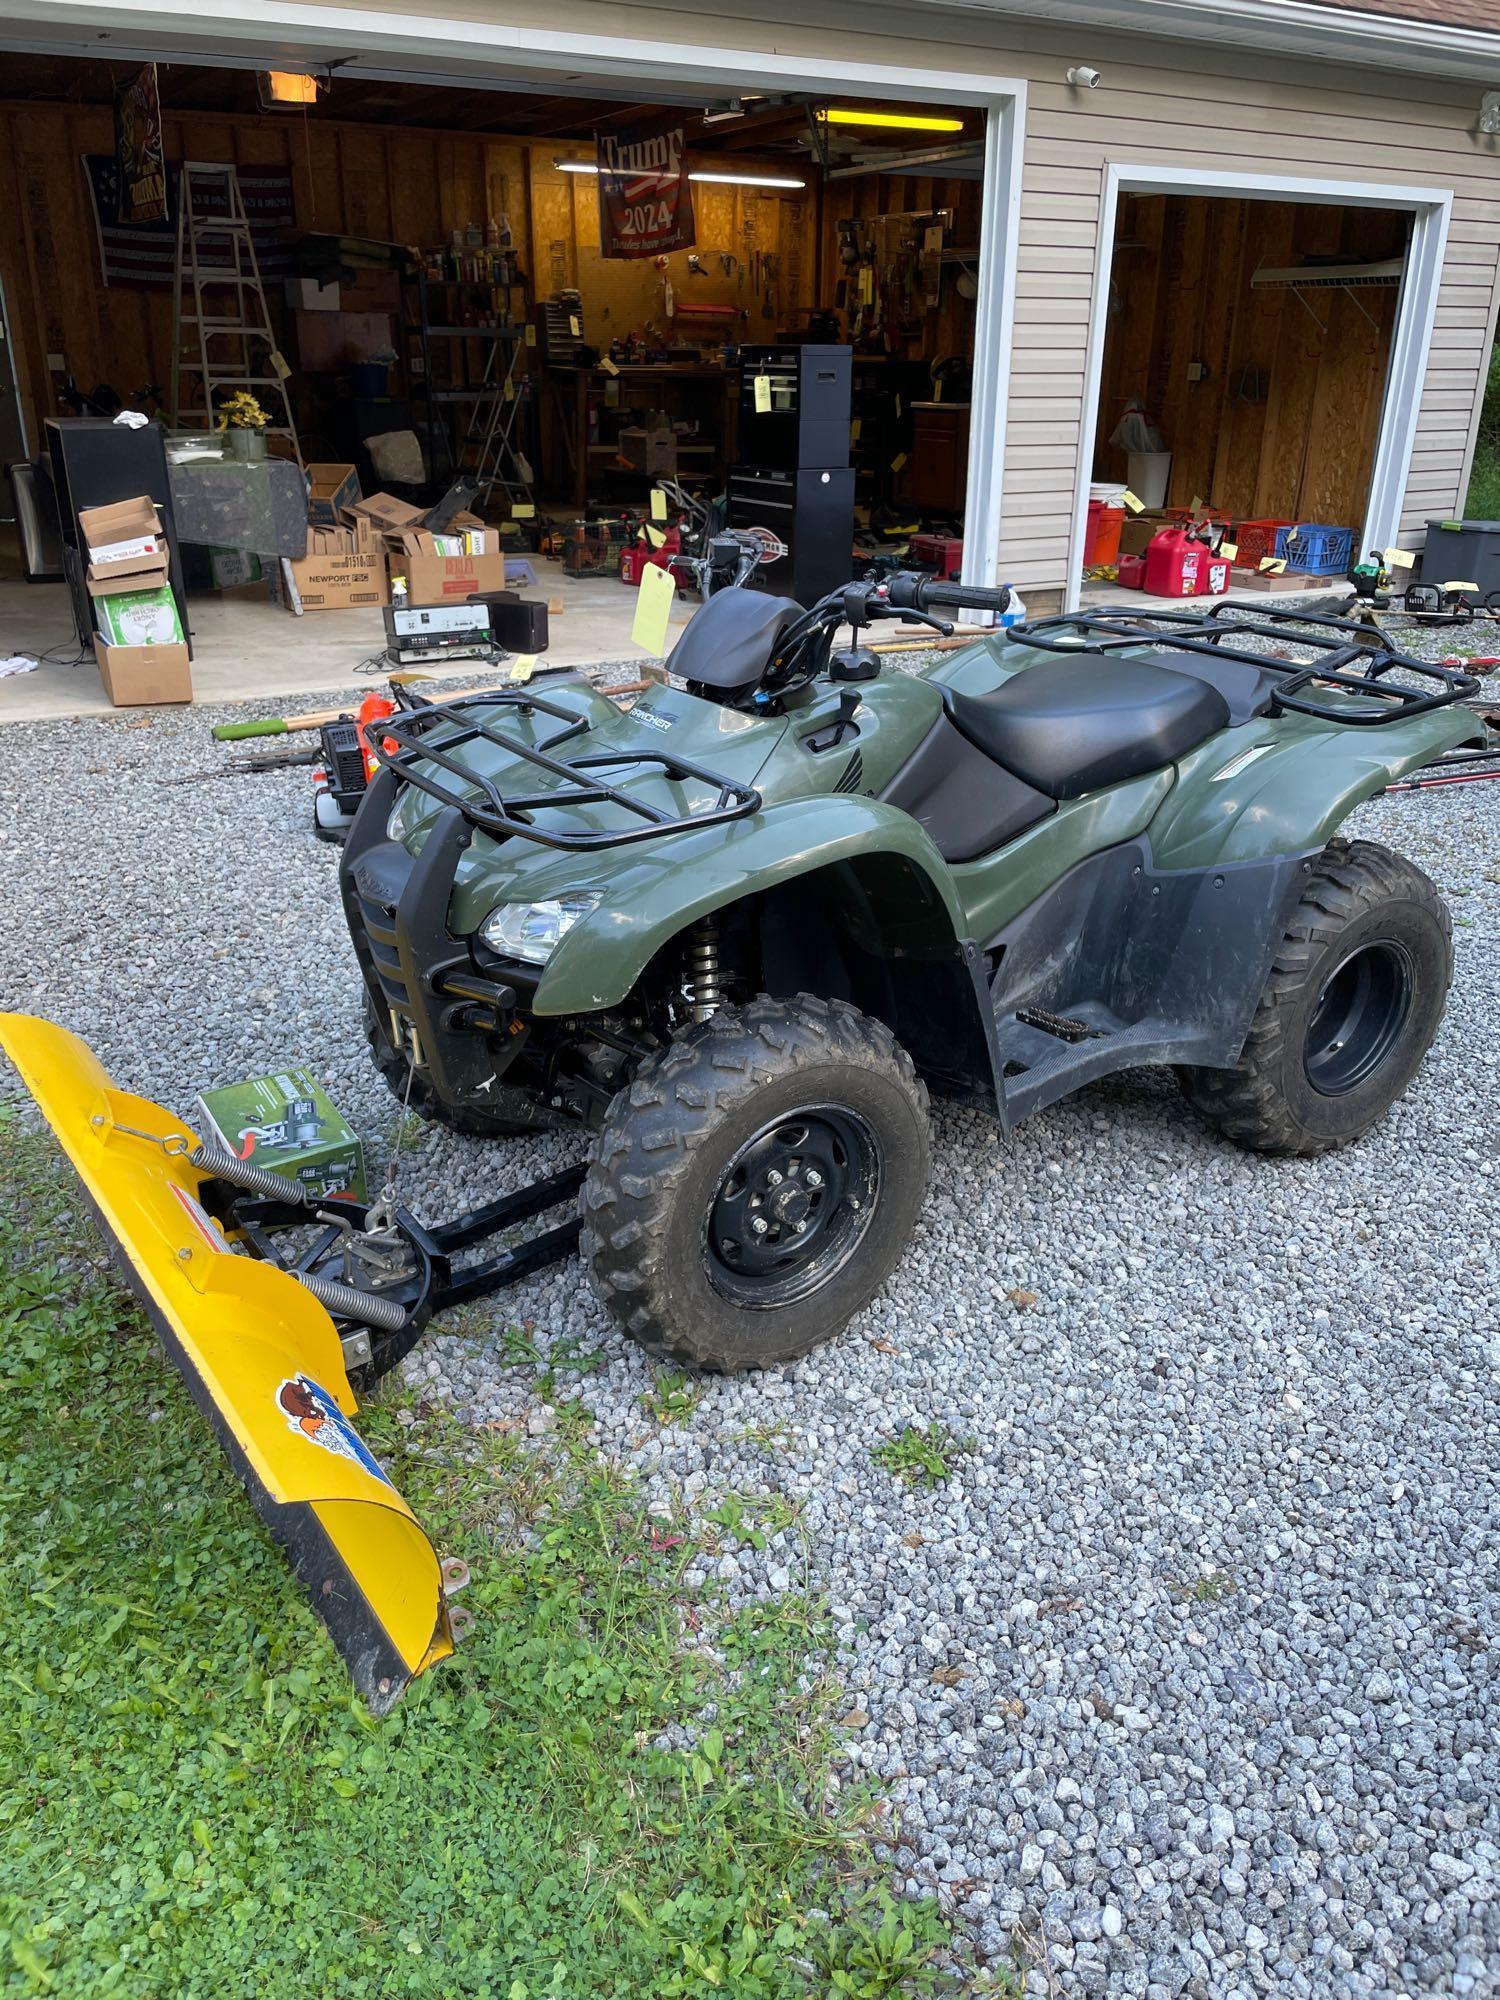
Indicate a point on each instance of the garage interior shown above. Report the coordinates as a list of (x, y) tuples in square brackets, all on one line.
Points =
[(437, 308), (1255, 338)]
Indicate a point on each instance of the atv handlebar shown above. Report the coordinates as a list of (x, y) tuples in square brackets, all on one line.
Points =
[(918, 593)]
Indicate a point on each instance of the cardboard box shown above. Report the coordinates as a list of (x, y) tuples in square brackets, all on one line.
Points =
[(144, 676), (330, 490), (435, 578), (1136, 531), (649, 451), (307, 295), (343, 570), (286, 1122), (126, 546), (385, 513)]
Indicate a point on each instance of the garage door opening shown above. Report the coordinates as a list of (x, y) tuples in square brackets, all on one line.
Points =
[(1248, 345), (435, 302)]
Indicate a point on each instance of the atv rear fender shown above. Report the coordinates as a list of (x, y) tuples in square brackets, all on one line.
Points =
[(852, 900), (1263, 791)]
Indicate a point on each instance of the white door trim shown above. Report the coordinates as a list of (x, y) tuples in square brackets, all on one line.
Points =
[(473, 53), (1430, 209)]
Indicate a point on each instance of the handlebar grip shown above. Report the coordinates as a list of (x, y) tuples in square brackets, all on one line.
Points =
[(964, 596)]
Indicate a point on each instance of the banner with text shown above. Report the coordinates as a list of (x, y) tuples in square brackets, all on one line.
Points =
[(645, 198)]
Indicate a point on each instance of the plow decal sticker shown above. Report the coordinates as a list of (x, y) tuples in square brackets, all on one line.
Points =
[(312, 1413)]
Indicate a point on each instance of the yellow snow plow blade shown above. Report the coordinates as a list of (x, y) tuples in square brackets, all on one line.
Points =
[(263, 1361)]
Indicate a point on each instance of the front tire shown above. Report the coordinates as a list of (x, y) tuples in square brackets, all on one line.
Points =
[(756, 1183), (1354, 998)]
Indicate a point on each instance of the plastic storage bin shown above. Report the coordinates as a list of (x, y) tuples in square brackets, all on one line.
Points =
[(1315, 548), (1255, 541), (1468, 551)]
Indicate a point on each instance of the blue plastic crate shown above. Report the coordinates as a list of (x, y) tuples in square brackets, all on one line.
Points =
[(1315, 548)]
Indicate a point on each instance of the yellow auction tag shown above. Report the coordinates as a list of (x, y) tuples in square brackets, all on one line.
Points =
[(653, 608), (1272, 565), (1229, 550), (607, 365), (573, 327), (762, 395), (658, 504), (523, 510), (1197, 502), (1462, 586), (510, 390), (854, 430), (280, 367), (653, 535), (1135, 506), (898, 461), (1400, 559), (866, 285), (530, 334), (522, 666)]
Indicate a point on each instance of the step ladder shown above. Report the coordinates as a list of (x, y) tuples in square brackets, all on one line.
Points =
[(489, 452), (221, 330)]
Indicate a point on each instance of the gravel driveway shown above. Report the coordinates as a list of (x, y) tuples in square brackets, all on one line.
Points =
[(1188, 1673)]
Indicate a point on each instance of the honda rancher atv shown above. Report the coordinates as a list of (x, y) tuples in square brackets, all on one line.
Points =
[(741, 931)]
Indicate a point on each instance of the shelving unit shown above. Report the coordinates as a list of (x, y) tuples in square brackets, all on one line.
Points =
[(446, 376)]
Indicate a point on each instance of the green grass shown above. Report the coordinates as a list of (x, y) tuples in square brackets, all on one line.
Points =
[(1483, 500), (921, 1457), (617, 1789)]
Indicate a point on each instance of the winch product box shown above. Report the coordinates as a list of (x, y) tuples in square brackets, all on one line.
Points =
[(287, 1123)]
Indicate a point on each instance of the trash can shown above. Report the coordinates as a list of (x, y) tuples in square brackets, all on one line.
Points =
[(1149, 472)]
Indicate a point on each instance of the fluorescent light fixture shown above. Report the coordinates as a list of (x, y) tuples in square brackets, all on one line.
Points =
[(288, 86), (724, 180), (893, 121)]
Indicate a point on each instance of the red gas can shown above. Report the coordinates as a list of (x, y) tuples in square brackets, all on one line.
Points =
[(1178, 565)]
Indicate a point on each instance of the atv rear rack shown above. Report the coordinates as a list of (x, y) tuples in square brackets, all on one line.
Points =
[(1345, 643), (403, 747)]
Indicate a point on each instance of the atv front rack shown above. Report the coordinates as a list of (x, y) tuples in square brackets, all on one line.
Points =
[(1355, 656), (404, 746)]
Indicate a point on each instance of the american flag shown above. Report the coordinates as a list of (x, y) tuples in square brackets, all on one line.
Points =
[(142, 254)]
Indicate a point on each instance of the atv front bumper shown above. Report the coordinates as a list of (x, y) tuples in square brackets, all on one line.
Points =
[(464, 1021), (263, 1361)]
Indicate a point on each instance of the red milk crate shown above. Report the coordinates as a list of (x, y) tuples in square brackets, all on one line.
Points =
[(1256, 540)]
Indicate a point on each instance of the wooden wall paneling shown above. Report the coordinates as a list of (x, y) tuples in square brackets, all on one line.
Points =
[(23, 287), (412, 170), (1294, 377), (1256, 338), (362, 176)]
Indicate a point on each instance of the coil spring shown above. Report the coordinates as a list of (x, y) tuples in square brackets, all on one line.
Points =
[(224, 1166), (703, 971), (385, 1314)]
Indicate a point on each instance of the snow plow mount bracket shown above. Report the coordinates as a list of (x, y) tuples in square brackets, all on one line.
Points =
[(381, 1273)]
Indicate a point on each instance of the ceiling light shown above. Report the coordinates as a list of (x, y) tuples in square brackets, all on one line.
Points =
[(287, 87), (893, 121), (724, 180)]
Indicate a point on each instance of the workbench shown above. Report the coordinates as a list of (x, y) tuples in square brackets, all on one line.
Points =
[(630, 376)]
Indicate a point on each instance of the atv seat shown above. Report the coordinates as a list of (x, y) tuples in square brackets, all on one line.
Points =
[(1071, 726)]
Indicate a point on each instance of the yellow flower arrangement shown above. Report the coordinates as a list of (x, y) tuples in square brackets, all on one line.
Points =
[(242, 412)]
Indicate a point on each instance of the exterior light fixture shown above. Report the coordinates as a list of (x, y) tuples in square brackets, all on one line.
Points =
[(287, 89), (1083, 78)]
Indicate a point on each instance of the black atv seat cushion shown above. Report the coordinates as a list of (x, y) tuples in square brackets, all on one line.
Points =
[(1069, 726), (729, 641)]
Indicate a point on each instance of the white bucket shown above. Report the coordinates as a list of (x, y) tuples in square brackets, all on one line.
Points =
[(1109, 492), (1149, 471)]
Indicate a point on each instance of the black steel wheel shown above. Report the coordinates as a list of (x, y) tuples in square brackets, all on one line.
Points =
[(792, 1206), (1355, 995), (1358, 1017), (756, 1183)]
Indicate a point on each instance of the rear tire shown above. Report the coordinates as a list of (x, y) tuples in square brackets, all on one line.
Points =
[(515, 1113), (1354, 998), (756, 1183)]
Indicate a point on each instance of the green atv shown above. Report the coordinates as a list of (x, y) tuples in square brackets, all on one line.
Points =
[(739, 932)]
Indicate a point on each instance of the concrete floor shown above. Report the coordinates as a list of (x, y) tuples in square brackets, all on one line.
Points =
[(247, 648)]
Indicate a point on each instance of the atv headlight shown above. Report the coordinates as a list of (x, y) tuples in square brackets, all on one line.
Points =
[(533, 931), (395, 826)]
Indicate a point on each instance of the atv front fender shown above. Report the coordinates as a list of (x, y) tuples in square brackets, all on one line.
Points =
[(652, 893), (1287, 787)]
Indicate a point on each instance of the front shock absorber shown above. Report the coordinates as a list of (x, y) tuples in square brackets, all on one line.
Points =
[(702, 982)]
